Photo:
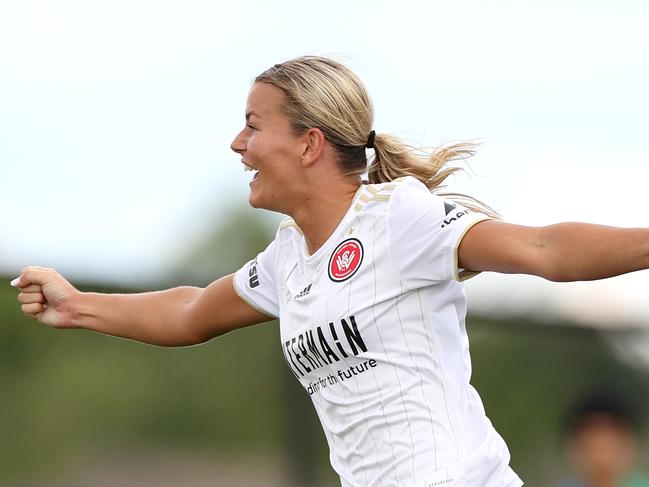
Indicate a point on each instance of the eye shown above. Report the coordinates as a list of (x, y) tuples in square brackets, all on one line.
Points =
[(251, 127)]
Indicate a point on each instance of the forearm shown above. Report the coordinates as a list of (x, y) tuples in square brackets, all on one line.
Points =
[(583, 252), (159, 318)]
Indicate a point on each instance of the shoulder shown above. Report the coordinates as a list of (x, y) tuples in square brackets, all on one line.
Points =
[(384, 195), (412, 196), (375, 194)]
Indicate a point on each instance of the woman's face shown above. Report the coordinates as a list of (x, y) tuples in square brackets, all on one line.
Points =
[(268, 145)]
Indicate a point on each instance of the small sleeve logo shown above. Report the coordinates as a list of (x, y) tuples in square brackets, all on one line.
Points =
[(448, 208), (253, 275), (345, 260)]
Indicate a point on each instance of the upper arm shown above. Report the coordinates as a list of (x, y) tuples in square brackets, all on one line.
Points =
[(218, 309), (497, 246)]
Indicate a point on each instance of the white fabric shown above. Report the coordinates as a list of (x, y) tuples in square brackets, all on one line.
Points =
[(384, 353)]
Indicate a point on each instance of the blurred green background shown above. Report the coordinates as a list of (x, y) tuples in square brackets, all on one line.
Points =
[(78, 408)]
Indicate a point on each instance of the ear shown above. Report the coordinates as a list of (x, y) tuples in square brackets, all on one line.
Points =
[(315, 145)]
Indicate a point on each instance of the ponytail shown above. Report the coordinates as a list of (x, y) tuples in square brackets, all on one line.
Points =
[(393, 159)]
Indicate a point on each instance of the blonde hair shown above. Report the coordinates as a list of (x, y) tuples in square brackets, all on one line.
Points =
[(323, 93)]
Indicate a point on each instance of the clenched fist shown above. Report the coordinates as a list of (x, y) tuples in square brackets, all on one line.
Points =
[(46, 296)]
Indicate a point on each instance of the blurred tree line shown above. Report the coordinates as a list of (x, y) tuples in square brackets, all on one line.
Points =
[(73, 399)]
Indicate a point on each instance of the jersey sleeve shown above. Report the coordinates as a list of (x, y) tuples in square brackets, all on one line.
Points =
[(425, 231), (255, 282)]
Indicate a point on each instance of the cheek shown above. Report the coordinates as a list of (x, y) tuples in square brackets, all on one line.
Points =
[(261, 146), (276, 142)]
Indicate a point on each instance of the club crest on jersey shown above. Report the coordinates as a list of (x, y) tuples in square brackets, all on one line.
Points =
[(345, 260)]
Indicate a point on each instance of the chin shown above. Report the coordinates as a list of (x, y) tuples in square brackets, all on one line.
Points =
[(253, 202), (256, 202), (264, 204)]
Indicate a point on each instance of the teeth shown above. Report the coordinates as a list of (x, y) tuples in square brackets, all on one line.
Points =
[(246, 167)]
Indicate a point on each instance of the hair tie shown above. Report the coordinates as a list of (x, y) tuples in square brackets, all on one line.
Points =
[(370, 140)]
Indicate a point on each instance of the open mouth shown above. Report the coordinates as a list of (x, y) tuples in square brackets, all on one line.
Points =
[(246, 167)]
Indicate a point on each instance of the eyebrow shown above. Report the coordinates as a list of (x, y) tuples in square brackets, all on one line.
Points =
[(250, 114)]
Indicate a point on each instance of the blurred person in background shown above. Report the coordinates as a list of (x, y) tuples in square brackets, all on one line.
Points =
[(602, 444), (365, 277)]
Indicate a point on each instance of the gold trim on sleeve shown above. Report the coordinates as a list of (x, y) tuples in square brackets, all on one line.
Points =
[(465, 274)]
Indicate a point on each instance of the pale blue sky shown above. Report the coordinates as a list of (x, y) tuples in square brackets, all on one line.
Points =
[(116, 118)]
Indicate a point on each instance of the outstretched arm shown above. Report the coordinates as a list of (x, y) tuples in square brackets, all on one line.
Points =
[(174, 317), (561, 252)]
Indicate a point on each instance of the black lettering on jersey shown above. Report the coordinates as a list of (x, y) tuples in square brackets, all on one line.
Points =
[(457, 216), (313, 349), (297, 356), (325, 347), (304, 346), (333, 333), (252, 274), (353, 336), (305, 354)]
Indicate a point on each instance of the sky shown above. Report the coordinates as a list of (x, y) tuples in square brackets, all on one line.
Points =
[(116, 119)]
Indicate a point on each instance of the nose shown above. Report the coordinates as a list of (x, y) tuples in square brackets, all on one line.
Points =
[(238, 144)]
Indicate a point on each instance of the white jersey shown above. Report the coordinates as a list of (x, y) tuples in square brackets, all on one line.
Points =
[(372, 325)]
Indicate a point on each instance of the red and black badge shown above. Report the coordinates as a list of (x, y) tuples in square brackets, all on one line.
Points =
[(345, 260)]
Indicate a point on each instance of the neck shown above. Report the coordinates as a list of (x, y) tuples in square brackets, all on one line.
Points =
[(320, 212)]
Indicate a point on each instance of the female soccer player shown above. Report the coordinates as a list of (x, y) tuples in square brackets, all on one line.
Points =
[(364, 278)]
